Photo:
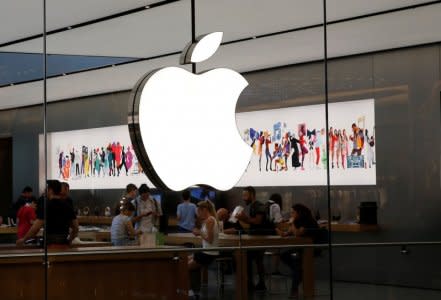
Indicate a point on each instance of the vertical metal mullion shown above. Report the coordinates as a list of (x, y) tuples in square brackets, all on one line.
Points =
[(45, 262), (193, 30), (328, 177)]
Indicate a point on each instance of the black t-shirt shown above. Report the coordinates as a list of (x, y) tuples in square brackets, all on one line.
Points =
[(310, 225), (258, 208), (60, 216)]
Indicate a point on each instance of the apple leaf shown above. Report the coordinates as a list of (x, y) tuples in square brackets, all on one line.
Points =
[(205, 46)]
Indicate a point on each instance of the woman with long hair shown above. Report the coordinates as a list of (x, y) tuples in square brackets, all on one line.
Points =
[(209, 233), (303, 225)]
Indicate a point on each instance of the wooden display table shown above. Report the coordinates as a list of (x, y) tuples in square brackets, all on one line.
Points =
[(8, 230), (352, 227), (241, 255), (95, 273), (94, 220)]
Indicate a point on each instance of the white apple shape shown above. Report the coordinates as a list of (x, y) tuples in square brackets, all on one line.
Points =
[(188, 127)]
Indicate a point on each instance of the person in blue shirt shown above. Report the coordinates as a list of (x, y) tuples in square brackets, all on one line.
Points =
[(186, 213)]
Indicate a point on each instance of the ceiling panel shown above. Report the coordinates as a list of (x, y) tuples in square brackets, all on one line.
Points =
[(146, 33), (167, 28), (248, 18), (25, 18), (394, 30), (101, 81)]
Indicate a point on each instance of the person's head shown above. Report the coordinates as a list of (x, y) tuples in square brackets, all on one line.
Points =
[(27, 192), (343, 132), (33, 203), (248, 194), (223, 214), (186, 195), (144, 191), (127, 208), (53, 188), (354, 127), (64, 190), (276, 198), (300, 211), (206, 209), (131, 190)]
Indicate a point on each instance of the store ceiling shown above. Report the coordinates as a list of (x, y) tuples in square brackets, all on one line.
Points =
[(165, 29)]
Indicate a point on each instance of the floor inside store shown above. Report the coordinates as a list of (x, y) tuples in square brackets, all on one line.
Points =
[(342, 291)]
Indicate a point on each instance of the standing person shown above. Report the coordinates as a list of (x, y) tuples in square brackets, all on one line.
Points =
[(72, 162), (118, 156), (147, 211), (186, 213), (318, 145), (260, 142), (77, 163), (26, 217), (64, 194), (255, 217), (110, 159), (129, 158), (295, 155), (339, 147), (356, 149), (123, 162), (344, 147), (61, 222), (122, 231), (129, 195), (304, 225), (369, 149), (25, 197), (209, 234), (267, 138), (275, 209), (286, 149), (103, 161)]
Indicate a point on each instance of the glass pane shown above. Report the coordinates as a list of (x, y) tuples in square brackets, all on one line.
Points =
[(386, 82), (399, 272), (276, 115), (21, 133)]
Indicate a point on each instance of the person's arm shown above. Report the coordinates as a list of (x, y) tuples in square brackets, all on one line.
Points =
[(38, 224), (178, 213), (74, 230), (139, 217), (131, 231), (258, 219)]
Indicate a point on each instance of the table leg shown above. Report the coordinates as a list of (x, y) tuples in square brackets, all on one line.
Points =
[(308, 272), (241, 288)]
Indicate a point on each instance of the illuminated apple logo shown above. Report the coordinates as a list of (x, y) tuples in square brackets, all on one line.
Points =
[(183, 125)]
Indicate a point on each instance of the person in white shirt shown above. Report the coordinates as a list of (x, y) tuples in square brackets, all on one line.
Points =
[(275, 214), (209, 234), (147, 211)]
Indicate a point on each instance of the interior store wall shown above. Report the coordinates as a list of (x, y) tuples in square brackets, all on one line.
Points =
[(406, 86)]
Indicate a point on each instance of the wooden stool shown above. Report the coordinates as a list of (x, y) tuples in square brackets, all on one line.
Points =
[(274, 255), (221, 264)]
